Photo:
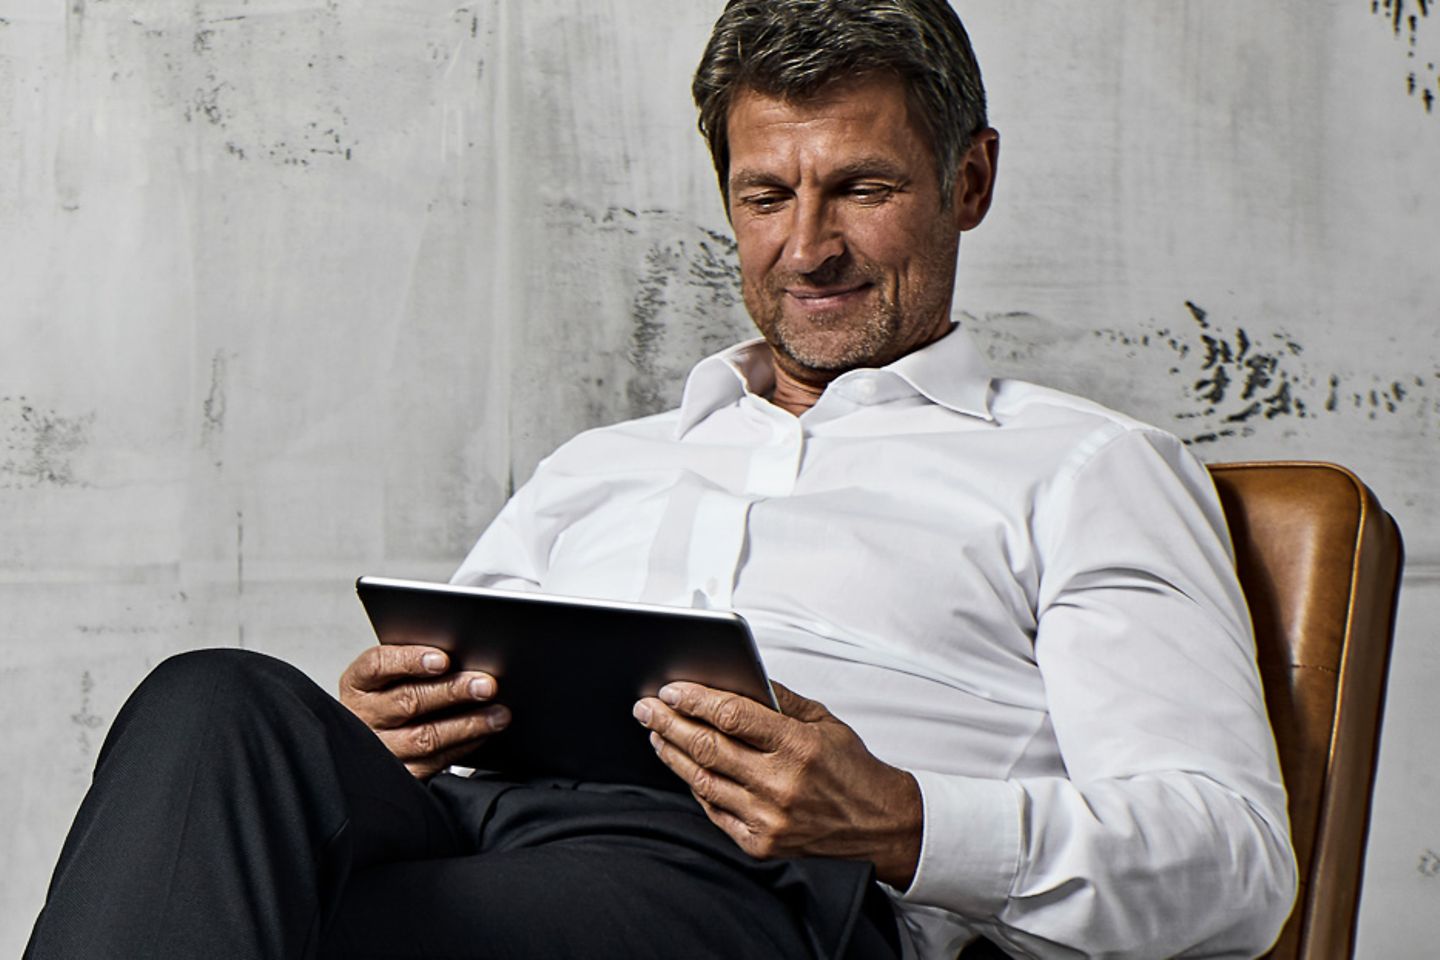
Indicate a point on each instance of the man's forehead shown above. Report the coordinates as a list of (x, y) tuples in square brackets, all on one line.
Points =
[(861, 126)]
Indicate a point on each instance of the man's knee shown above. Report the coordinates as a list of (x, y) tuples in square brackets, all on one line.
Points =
[(208, 692), (210, 679), (224, 665)]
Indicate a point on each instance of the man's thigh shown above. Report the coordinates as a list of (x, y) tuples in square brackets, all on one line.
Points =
[(582, 898), (598, 872)]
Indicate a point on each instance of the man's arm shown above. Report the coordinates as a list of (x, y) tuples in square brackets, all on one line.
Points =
[(1168, 836), (1167, 833), (797, 783)]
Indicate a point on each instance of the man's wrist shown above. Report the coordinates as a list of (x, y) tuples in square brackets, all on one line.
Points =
[(898, 858)]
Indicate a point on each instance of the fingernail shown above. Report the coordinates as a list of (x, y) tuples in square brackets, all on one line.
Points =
[(499, 718), (655, 741), (482, 687), (641, 711), (434, 662), (670, 695)]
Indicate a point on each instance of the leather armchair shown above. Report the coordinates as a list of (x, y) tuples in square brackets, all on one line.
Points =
[(1319, 560)]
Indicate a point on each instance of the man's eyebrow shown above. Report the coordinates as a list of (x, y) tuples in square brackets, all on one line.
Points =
[(876, 166), (743, 179), (884, 167)]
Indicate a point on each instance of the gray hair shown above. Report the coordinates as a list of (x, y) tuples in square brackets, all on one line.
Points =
[(792, 48)]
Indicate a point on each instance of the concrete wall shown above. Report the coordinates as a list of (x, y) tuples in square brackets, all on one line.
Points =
[(294, 290)]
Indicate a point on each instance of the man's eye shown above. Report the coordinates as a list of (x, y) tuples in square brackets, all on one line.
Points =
[(871, 192), (764, 202)]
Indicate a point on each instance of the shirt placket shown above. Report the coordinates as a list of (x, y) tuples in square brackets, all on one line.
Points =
[(722, 519)]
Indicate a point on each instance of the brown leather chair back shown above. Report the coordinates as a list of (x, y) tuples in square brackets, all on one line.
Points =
[(1320, 561)]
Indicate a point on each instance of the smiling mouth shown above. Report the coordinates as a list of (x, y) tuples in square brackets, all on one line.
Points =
[(824, 298)]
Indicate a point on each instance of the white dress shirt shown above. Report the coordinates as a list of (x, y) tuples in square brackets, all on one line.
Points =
[(1025, 599)]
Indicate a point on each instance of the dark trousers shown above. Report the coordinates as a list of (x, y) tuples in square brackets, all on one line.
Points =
[(238, 811)]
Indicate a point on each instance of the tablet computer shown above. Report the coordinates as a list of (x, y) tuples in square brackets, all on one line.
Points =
[(570, 669)]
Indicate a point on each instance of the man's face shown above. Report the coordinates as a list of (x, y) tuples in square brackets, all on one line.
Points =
[(847, 258)]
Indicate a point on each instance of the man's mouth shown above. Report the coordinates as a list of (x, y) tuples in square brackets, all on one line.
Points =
[(818, 299)]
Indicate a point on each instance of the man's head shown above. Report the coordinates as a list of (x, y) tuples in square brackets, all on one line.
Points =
[(791, 49), (851, 157)]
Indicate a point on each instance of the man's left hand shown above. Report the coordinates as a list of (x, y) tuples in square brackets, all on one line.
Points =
[(795, 784)]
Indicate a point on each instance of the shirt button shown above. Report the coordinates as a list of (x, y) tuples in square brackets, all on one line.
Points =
[(865, 390)]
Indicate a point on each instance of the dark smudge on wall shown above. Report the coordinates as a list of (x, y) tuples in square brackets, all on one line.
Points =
[(1422, 79), (85, 720), (37, 445), (1228, 379), (1232, 380), (213, 409), (689, 285), (205, 63), (669, 292)]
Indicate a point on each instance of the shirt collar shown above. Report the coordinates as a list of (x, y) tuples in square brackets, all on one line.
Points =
[(949, 372)]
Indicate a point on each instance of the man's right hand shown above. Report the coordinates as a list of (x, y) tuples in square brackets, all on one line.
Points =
[(428, 718)]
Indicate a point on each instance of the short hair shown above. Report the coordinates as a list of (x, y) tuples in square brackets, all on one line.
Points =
[(791, 49)]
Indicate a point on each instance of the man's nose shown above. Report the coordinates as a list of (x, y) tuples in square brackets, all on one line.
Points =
[(815, 238)]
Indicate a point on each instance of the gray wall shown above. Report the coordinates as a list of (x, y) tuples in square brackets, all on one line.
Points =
[(292, 291)]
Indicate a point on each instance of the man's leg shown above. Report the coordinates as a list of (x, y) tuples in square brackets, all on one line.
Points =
[(605, 872), (236, 807), (231, 800)]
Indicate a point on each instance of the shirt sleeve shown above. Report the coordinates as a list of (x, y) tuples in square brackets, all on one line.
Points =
[(1169, 836), (513, 551)]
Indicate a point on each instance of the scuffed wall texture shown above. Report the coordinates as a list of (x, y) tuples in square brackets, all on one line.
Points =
[(293, 291)]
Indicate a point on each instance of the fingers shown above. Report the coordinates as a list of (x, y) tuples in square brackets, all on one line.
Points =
[(711, 788), (756, 827), (391, 685), (404, 703), (721, 781), (687, 745), (380, 666), (730, 750), (425, 716), (732, 714), (437, 743), (711, 740)]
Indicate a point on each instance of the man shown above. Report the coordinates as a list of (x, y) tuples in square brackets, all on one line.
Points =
[(1030, 709)]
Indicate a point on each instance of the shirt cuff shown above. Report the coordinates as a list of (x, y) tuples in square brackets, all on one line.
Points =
[(970, 849)]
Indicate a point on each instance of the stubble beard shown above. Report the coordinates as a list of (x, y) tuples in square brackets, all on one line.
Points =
[(829, 343)]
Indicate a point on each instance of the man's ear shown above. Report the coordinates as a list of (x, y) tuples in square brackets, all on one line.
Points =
[(975, 180)]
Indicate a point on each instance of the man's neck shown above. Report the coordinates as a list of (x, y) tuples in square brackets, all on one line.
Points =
[(794, 395)]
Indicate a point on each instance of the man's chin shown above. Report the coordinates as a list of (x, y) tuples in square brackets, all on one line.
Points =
[(830, 356)]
